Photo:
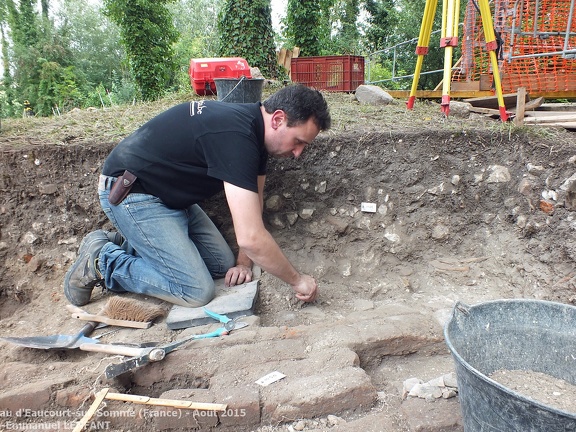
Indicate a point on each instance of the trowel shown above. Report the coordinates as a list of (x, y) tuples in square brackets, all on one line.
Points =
[(56, 341), (79, 340)]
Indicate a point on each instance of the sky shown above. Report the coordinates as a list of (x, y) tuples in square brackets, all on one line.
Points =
[(278, 12)]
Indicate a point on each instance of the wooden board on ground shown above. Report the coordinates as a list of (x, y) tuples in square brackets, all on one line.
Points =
[(566, 125), (539, 113), (550, 118), (571, 106), (531, 105), (492, 101), (488, 111)]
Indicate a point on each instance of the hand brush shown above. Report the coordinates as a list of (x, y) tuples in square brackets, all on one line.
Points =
[(122, 312)]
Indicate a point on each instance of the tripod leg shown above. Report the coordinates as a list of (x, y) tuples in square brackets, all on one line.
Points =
[(422, 48), (449, 40), (491, 46)]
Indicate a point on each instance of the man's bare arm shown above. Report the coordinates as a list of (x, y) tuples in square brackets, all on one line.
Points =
[(259, 245), (242, 272)]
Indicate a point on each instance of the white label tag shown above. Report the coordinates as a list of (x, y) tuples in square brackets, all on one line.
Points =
[(270, 378), (368, 207)]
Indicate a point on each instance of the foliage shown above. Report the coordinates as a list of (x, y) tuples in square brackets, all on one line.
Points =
[(95, 49), (305, 26), (196, 21), (245, 30), (58, 88), (394, 23), (148, 35), (347, 37), (323, 27), (382, 72), (381, 15), (23, 24), (129, 50), (39, 55)]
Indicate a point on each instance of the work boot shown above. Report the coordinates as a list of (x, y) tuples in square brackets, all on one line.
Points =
[(84, 273)]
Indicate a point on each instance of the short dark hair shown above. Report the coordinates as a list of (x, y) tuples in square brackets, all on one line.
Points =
[(300, 103)]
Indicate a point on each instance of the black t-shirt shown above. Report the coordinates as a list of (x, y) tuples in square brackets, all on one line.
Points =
[(184, 154)]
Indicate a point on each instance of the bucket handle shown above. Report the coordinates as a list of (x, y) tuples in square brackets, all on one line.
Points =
[(461, 307), (233, 88)]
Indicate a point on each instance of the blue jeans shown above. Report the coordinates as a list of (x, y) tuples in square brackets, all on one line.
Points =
[(173, 255)]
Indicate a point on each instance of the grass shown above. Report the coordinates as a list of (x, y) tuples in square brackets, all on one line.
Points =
[(111, 124)]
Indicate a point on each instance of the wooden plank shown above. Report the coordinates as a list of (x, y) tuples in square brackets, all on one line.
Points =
[(520, 106), (465, 86), (488, 111), (538, 113), (492, 101), (288, 63), (485, 82), (282, 57), (558, 106), (435, 94), (441, 83), (174, 403), (569, 125), (551, 118), (533, 104), (565, 125), (99, 397)]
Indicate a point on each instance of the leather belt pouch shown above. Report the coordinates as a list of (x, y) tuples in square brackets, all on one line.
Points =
[(121, 187)]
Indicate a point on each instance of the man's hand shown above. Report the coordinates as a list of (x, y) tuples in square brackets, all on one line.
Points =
[(238, 275), (306, 288)]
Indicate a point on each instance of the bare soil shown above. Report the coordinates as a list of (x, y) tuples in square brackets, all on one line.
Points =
[(445, 228), (540, 387)]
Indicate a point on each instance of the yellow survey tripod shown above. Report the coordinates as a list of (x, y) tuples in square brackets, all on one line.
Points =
[(449, 40)]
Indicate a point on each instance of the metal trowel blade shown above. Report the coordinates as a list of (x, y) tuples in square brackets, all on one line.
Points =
[(50, 342)]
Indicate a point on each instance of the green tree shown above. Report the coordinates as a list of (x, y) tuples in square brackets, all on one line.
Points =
[(347, 38), (95, 48), (393, 22), (245, 30), (37, 54), (148, 35), (24, 24), (197, 22), (381, 19), (306, 26), (7, 94), (409, 23)]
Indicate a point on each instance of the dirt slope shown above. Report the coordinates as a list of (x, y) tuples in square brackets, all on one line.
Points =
[(460, 214)]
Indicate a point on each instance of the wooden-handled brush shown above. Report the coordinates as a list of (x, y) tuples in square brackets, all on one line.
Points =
[(121, 312)]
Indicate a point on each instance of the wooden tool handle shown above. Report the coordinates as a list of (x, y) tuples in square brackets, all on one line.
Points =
[(174, 403), (111, 321), (104, 394), (74, 309), (114, 349), (85, 316)]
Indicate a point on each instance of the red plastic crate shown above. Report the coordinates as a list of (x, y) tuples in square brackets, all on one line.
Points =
[(202, 72), (331, 73)]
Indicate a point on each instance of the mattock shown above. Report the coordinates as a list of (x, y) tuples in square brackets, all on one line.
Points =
[(143, 356)]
